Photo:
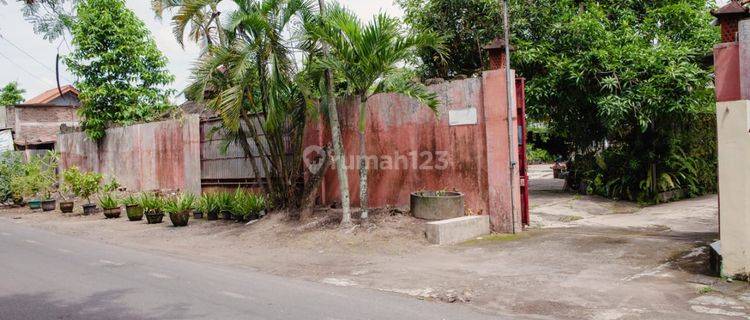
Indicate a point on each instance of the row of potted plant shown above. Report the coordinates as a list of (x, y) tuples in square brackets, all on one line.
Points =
[(239, 206)]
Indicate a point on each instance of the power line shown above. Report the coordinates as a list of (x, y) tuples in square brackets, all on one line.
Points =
[(25, 70), (32, 57)]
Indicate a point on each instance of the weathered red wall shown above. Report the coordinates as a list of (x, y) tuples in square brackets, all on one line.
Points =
[(153, 156), (477, 154), (727, 71), (35, 123)]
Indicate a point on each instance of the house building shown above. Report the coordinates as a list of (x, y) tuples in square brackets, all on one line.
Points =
[(37, 121)]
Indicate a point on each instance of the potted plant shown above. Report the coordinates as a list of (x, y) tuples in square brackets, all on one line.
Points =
[(153, 208), (66, 205), (224, 205), (179, 209), (83, 184), (133, 208), (209, 205), (110, 205)]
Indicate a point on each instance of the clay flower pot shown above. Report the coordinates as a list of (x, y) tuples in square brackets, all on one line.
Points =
[(48, 205), (89, 208), (212, 216), (180, 219), (112, 213), (66, 206), (134, 212), (154, 217), (35, 204)]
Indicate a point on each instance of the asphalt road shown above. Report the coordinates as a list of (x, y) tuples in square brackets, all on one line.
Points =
[(50, 276)]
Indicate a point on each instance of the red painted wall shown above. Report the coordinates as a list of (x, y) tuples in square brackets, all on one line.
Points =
[(727, 66), (475, 156)]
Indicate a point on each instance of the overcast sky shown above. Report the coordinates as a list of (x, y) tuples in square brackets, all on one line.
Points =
[(35, 72)]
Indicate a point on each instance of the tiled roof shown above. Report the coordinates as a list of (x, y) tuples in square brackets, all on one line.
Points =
[(733, 7), (51, 94)]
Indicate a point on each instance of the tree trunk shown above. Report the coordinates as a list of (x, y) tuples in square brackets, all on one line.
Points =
[(312, 186), (362, 160), (338, 148)]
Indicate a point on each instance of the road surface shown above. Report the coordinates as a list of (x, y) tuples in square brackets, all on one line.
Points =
[(44, 275)]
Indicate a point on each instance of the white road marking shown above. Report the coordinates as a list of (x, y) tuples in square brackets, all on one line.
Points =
[(5, 233), (111, 263), (64, 250), (31, 241), (233, 295), (159, 275)]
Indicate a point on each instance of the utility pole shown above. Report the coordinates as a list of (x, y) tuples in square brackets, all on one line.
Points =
[(511, 110), (338, 148)]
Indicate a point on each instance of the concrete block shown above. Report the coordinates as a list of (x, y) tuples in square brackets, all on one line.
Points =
[(457, 230)]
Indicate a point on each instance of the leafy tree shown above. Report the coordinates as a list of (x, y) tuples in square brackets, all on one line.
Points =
[(122, 73), (252, 82), (11, 94), (50, 18), (623, 82), (466, 25), (201, 16), (367, 57)]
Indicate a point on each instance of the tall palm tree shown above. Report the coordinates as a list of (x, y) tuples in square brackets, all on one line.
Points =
[(369, 57), (254, 73), (201, 16)]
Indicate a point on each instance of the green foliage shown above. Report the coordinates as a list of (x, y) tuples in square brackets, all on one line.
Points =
[(109, 201), (11, 94), (247, 204), (224, 201), (50, 18), (179, 204), (130, 200), (254, 85), (83, 184), (620, 81), (151, 203), (121, 72), (11, 166), (208, 204), (536, 155), (466, 25), (37, 177), (111, 186)]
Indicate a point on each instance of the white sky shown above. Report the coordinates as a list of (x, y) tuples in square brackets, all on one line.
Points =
[(37, 77)]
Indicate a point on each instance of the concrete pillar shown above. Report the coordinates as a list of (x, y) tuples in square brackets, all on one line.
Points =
[(734, 184), (744, 59)]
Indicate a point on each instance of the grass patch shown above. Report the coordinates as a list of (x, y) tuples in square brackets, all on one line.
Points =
[(706, 290), (496, 237), (570, 218)]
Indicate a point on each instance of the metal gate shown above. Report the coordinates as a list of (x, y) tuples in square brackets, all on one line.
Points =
[(522, 162)]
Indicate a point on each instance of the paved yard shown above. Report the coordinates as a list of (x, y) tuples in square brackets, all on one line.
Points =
[(583, 258)]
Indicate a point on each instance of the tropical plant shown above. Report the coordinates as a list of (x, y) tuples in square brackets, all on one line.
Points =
[(38, 177), (83, 184), (623, 81), (179, 204), (108, 201), (199, 17), (112, 185), (51, 19), (130, 200), (224, 201), (250, 81), (11, 166), (151, 203), (368, 58), (11, 94), (122, 74), (208, 204)]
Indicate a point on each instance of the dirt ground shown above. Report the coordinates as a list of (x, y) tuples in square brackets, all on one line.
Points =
[(582, 258)]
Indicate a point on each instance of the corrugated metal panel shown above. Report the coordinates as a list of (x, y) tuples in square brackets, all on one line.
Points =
[(230, 166)]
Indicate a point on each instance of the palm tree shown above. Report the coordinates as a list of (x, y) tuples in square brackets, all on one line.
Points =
[(254, 73), (202, 16), (369, 58)]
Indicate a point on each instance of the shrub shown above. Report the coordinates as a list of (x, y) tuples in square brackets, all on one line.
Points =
[(111, 186), (37, 177), (224, 201), (208, 204), (108, 201), (151, 203), (179, 204), (11, 166), (536, 155), (83, 184), (130, 200)]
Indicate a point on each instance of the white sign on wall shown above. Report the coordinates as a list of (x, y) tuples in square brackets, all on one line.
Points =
[(462, 117), (6, 141)]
